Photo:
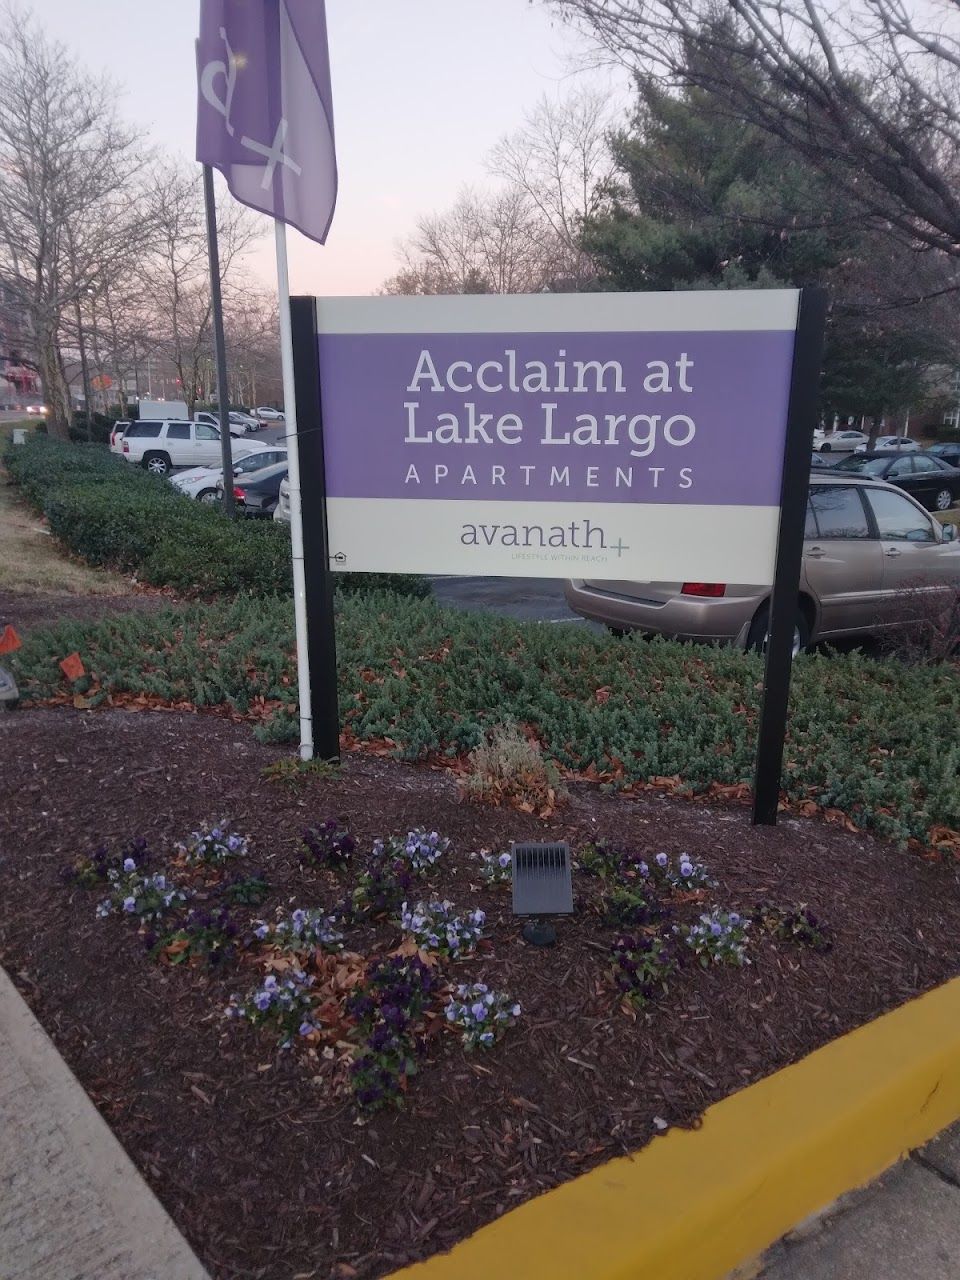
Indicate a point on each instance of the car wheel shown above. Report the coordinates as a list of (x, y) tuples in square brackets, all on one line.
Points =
[(826, 448), (759, 629), (209, 496), (944, 500), (158, 464)]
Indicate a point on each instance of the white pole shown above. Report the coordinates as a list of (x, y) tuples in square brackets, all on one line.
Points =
[(293, 480)]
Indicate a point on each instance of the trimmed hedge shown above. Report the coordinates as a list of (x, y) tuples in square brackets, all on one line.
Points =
[(876, 740), (113, 514)]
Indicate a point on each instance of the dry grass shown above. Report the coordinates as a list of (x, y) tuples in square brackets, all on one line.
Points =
[(510, 769), (949, 517), (31, 563)]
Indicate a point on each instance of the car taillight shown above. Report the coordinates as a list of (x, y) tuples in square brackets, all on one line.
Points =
[(711, 589), (239, 494), (126, 447)]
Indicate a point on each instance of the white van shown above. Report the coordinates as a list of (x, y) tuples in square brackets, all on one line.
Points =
[(162, 409)]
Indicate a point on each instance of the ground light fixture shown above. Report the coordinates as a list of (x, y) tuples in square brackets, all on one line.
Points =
[(542, 886)]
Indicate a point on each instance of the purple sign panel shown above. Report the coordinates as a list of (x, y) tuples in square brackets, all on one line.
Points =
[(628, 435), (538, 417)]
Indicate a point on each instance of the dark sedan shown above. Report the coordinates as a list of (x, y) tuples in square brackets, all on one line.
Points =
[(933, 482), (947, 451), (258, 492)]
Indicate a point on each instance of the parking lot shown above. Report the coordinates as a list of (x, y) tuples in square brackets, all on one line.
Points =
[(527, 599), (530, 599)]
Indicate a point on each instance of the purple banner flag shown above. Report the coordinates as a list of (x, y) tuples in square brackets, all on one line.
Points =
[(264, 107)]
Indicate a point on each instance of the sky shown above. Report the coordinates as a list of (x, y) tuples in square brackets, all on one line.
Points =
[(422, 90)]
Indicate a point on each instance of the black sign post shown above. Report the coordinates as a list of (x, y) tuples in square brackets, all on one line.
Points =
[(321, 629), (801, 421)]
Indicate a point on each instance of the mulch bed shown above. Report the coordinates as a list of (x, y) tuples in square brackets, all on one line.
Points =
[(267, 1172), (47, 608)]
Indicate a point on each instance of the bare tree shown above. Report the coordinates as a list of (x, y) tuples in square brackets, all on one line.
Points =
[(118, 322), (524, 235), (68, 217), (560, 160), (493, 243), (177, 271), (252, 324), (867, 90)]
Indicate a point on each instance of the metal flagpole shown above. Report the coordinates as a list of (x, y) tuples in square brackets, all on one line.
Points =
[(293, 480), (216, 302)]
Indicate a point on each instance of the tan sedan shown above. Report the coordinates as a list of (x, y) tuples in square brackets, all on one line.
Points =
[(872, 559)]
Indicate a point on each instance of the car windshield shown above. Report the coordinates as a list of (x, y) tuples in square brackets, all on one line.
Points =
[(863, 465)]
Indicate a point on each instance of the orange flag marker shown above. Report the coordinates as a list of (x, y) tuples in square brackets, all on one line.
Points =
[(9, 640), (72, 667)]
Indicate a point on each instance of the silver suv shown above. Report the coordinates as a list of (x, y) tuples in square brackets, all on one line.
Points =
[(872, 559)]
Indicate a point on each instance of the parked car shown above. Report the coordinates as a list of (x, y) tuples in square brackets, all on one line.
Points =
[(928, 479), (213, 420), (869, 551), (37, 410), (201, 482), (948, 451), (259, 492), (838, 441), (282, 512), (266, 414), (818, 462), (884, 443), (245, 420), (159, 445), (116, 436)]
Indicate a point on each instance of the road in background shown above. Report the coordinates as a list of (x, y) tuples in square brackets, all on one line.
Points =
[(530, 599)]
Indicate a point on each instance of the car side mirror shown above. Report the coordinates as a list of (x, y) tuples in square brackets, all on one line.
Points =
[(949, 533)]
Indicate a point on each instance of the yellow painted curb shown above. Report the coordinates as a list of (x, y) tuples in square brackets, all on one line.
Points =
[(694, 1204)]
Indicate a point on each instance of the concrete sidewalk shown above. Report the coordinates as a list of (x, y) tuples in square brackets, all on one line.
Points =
[(72, 1205), (905, 1226)]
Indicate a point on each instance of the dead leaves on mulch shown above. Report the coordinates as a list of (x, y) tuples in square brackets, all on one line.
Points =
[(942, 841)]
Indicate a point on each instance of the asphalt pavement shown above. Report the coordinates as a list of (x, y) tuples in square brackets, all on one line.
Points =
[(529, 599)]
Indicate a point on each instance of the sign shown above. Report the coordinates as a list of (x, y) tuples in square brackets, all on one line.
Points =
[(611, 436), (662, 436)]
